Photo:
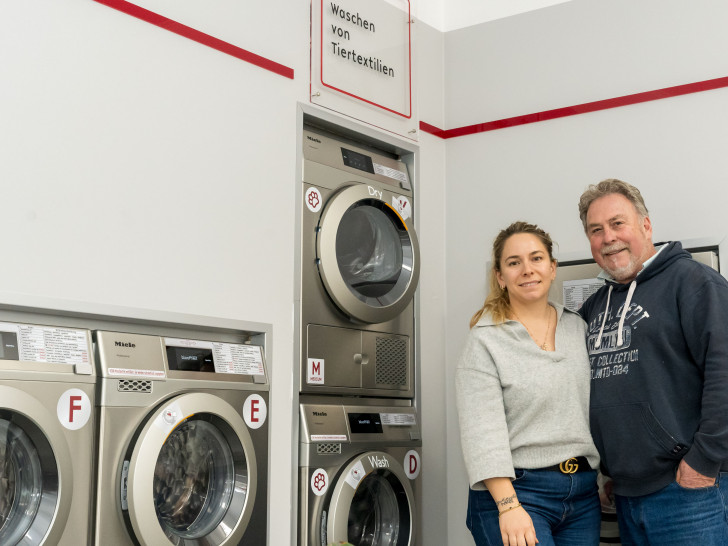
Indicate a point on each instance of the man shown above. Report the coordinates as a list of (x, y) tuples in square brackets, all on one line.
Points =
[(658, 347)]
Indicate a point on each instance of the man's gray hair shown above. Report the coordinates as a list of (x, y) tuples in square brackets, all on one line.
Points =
[(608, 187)]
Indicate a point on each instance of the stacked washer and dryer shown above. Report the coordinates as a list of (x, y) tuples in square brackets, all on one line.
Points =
[(148, 433), (359, 436)]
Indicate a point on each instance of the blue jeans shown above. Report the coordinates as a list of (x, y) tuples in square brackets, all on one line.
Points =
[(564, 509), (675, 516)]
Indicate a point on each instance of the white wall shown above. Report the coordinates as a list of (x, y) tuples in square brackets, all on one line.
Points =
[(430, 204), (572, 53), (454, 14), (139, 168)]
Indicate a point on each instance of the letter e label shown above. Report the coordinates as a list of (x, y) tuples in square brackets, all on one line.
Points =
[(255, 411)]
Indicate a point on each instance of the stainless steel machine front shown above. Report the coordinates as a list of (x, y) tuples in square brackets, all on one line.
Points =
[(360, 472), (183, 442), (359, 270), (47, 434)]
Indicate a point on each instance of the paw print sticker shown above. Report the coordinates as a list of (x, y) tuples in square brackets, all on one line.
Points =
[(313, 199), (319, 482)]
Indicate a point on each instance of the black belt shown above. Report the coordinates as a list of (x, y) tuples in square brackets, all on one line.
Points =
[(570, 466)]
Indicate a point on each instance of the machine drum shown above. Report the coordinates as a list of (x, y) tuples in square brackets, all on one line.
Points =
[(379, 512), (194, 479)]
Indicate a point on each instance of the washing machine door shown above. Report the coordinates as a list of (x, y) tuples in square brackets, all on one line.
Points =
[(368, 255), (191, 475), (372, 504), (36, 482)]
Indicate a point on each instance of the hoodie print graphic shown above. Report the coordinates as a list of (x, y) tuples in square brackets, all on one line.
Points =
[(606, 356)]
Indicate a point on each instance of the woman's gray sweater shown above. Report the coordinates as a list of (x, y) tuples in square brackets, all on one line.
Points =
[(520, 406)]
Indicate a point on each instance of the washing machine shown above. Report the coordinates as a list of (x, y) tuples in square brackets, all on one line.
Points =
[(359, 270), (183, 441), (47, 383), (360, 473)]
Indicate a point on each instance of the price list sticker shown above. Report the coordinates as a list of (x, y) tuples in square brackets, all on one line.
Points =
[(238, 359), (398, 419), (50, 345)]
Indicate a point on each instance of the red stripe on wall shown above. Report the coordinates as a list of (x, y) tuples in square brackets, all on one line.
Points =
[(197, 36), (585, 108)]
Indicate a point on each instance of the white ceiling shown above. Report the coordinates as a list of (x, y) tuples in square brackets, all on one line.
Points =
[(446, 15)]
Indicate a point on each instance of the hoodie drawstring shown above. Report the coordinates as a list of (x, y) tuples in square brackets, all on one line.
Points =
[(627, 303), (604, 320)]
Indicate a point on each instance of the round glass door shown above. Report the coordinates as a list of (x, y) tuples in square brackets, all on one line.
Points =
[(372, 248), (373, 510), (368, 256), (193, 483), (28, 481), (195, 477), (379, 513)]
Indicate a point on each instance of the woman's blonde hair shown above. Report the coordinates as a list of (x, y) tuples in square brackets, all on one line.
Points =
[(498, 303)]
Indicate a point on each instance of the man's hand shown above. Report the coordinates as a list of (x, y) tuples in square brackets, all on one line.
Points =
[(691, 479)]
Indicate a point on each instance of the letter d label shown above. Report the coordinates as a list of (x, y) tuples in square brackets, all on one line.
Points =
[(412, 464)]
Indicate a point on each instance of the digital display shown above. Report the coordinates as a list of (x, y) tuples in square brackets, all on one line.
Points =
[(8, 346), (355, 160), (365, 423), (188, 359)]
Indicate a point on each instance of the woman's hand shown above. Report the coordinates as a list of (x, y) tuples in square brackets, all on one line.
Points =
[(517, 528)]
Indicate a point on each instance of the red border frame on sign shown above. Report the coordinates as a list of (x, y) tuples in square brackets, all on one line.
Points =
[(409, 58)]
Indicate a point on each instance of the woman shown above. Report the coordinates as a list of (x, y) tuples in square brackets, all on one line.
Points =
[(523, 402)]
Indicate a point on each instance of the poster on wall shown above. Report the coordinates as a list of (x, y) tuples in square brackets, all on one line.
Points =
[(361, 61)]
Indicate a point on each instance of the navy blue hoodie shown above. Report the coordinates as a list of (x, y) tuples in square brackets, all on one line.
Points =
[(660, 372)]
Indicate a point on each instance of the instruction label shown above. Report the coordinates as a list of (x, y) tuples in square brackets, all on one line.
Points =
[(389, 172), (48, 344), (398, 419), (238, 359)]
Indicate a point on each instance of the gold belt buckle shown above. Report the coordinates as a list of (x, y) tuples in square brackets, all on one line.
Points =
[(569, 466)]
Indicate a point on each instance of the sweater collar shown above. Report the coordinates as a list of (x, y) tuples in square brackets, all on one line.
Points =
[(487, 319)]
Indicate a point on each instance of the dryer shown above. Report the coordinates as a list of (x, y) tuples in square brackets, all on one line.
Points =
[(359, 270), (47, 384), (183, 441), (360, 472)]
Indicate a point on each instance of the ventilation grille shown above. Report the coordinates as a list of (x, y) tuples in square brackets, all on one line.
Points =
[(328, 449), (391, 362), (134, 385)]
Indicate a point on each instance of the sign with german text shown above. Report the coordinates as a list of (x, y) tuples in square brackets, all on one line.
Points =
[(362, 53)]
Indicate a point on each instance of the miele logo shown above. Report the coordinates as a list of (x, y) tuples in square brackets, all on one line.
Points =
[(124, 344), (320, 414), (378, 462), (313, 139)]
